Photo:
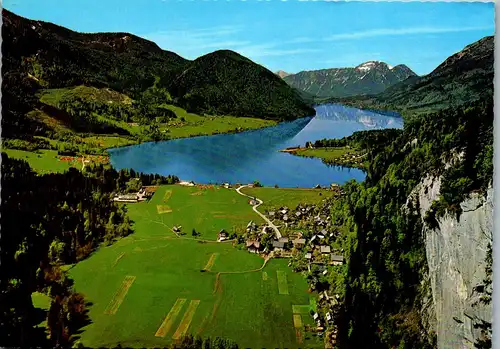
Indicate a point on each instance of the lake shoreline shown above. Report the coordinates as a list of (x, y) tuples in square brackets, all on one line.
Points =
[(260, 154)]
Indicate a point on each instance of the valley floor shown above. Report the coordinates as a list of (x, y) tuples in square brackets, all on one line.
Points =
[(150, 288)]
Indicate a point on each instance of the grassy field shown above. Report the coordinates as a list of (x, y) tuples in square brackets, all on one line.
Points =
[(185, 125), (154, 284), (338, 155), (47, 161), (197, 125), (44, 161), (325, 153), (41, 303), (276, 197), (106, 141), (206, 210)]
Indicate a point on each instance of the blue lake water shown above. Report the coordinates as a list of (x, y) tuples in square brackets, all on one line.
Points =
[(254, 155)]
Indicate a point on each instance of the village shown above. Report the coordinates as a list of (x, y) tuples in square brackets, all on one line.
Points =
[(309, 250), (306, 236)]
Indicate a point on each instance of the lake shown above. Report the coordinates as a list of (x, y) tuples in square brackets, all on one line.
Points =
[(254, 155)]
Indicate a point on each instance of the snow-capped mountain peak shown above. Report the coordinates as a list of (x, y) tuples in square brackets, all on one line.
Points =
[(367, 66), (370, 77)]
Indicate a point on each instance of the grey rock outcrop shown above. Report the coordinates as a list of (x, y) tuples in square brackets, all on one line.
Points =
[(456, 257)]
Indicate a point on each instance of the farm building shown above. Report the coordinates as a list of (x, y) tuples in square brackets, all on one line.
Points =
[(126, 198), (251, 226), (253, 246), (280, 246), (223, 235), (144, 194), (336, 259), (299, 243), (324, 249)]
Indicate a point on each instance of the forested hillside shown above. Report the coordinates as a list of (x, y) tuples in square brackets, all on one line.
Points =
[(387, 259), (39, 55)]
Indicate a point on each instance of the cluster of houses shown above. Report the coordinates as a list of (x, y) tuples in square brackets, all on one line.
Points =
[(310, 213), (142, 195), (331, 306), (284, 245), (288, 216), (355, 159)]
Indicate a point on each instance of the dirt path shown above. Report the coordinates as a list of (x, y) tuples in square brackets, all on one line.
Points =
[(260, 202), (266, 259)]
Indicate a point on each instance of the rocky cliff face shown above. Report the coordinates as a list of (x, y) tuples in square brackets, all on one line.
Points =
[(456, 253)]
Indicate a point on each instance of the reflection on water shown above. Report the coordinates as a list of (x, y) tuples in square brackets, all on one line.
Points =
[(254, 155)]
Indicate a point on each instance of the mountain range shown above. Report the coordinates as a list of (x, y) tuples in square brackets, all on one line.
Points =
[(368, 78), (463, 78), (39, 55)]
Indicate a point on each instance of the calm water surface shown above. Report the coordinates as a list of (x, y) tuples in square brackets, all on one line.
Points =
[(254, 155)]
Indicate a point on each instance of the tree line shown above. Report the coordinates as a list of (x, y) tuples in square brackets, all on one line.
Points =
[(48, 221)]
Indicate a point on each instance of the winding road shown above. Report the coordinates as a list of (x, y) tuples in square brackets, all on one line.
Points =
[(254, 207)]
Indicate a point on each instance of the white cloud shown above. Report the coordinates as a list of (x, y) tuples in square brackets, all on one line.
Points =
[(402, 31), (266, 50), (190, 42), (194, 43)]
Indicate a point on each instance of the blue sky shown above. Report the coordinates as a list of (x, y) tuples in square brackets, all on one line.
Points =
[(290, 35)]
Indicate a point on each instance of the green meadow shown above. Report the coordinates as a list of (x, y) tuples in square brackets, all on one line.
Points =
[(277, 197), (207, 209), (42, 161), (333, 155), (197, 125), (150, 288), (184, 125)]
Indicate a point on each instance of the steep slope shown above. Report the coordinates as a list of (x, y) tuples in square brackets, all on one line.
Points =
[(419, 228), (465, 77), (40, 55), (368, 78)]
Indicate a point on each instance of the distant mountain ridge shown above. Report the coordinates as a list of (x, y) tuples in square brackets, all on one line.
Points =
[(40, 55), (463, 78), (371, 77)]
